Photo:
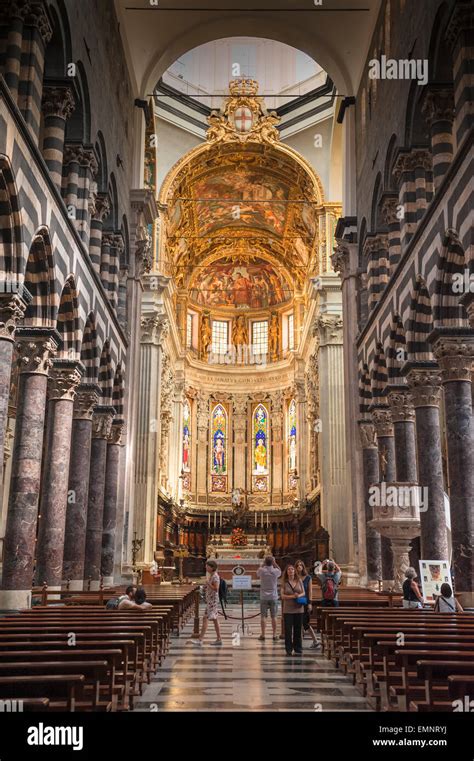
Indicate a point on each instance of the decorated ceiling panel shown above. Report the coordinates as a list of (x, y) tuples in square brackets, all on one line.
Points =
[(241, 197), (240, 283)]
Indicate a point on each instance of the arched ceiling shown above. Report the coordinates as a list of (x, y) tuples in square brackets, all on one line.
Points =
[(241, 195), (337, 37)]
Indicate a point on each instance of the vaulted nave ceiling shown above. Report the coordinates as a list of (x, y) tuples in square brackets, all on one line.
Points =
[(242, 195), (336, 34)]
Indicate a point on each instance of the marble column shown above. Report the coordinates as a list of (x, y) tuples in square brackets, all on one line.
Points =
[(64, 377), (101, 428), (346, 262), (389, 208), (454, 350), (37, 34), (239, 417), (370, 461), (87, 397), (279, 472), (12, 308), (58, 105), (386, 453), (424, 380), (154, 329), (403, 418), (114, 449), (35, 348), (459, 36), (202, 449), (99, 211), (438, 110)]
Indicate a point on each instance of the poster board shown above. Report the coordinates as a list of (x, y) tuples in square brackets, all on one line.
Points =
[(242, 582), (433, 573)]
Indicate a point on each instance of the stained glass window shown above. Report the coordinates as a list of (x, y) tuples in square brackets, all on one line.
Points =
[(219, 440), (292, 436), (260, 440), (186, 437)]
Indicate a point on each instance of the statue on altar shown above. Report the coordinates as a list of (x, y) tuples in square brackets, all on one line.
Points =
[(239, 509)]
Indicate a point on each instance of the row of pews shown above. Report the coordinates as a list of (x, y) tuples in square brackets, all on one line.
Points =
[(73, 655), (400, 660)]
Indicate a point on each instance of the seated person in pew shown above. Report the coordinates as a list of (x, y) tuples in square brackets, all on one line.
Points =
[(330, 578), (446, 602), (412, 597), (129, 601)]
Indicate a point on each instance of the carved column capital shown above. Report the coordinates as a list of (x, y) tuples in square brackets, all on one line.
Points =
[(116, 432), (12, 309), (85, 156), (330, 328), (35, 349), (389, 208), (87, 398), (101, 206), (367, 434), (424, 380), (382, 421), (340, 260), (33, 14), (438, 105), (58, 101), (154, 328), (64, 378), (102, 421), (454, 351), (401, 404), (373, 244), (144, 255)]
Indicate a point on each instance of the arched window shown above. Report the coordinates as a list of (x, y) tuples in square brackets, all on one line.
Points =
[(292, 437), (186, 458), (219, 449), (260, 449)]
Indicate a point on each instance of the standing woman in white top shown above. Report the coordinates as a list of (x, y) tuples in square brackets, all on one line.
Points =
[(211, 612), (446, 602)]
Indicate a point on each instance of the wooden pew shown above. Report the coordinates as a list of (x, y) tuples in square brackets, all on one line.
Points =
[(62, 690)]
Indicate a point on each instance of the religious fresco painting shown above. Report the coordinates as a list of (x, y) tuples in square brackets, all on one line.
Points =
[(219, 449), (260, 465), (243, 283), (218, 196)]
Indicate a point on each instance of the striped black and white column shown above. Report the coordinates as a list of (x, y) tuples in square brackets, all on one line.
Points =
[(404, 173), (423, 176), (58, 105), (378, 268), (79, 169), (37, 32), (390, 212), (460, 38), (100, 212), (438, 110)]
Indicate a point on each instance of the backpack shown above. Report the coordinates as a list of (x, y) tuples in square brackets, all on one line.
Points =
[(114, 602), (329, 588), (223, 591)]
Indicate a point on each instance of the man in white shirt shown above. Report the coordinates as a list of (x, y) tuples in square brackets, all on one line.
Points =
[(269, 573)]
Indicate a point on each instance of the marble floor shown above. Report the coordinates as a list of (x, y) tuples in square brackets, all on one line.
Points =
[(246, 675)]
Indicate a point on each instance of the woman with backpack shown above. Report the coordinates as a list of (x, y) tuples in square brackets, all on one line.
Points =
[(211, 612), (293, 597), (330, 578), (446, 602), (308, 590)]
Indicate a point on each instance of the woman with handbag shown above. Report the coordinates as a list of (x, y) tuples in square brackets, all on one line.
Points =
[(294, 600), (305, 577)]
